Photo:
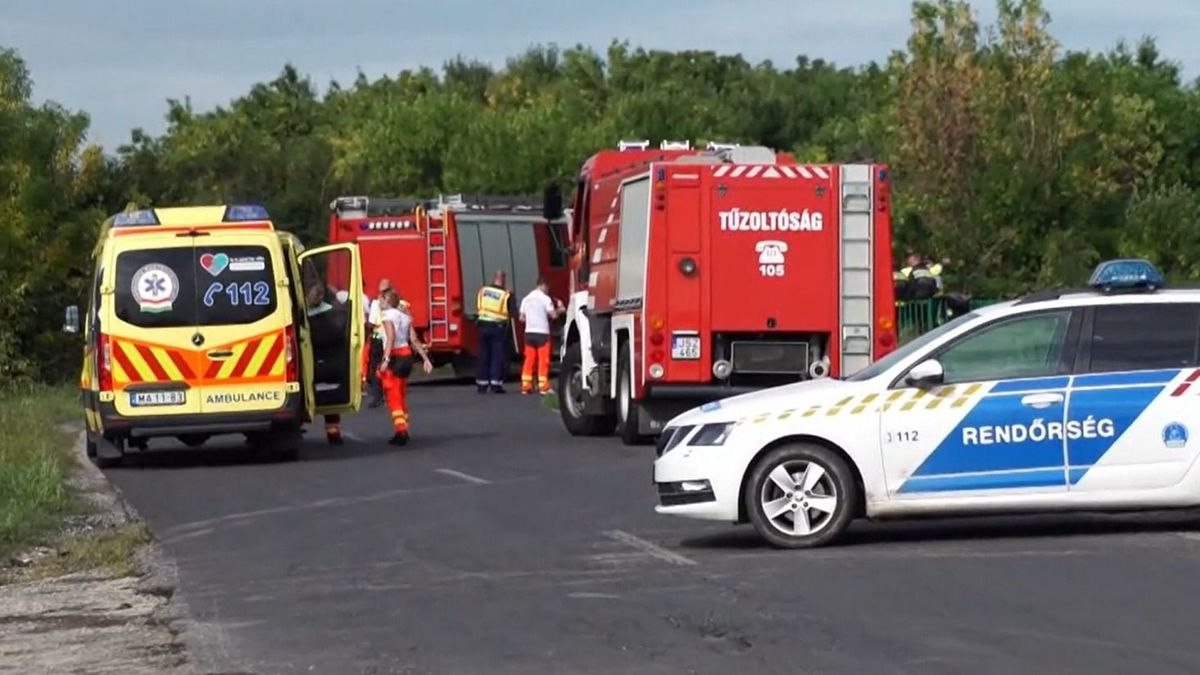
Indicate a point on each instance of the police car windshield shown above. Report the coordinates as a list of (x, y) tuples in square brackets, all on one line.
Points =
[(883, 365)]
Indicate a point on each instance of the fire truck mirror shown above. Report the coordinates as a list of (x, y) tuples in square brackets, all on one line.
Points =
[(552, 206)]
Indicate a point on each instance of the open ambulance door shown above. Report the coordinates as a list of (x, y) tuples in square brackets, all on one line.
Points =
[(332, 295)]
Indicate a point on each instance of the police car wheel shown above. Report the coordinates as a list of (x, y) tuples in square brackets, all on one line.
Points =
[(800, 496)]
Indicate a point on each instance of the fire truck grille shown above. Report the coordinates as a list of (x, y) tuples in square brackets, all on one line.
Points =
[(770, 357)]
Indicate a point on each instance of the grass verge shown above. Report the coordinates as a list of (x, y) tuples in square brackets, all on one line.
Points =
[(111, 550), (35, 460), (550, 402)]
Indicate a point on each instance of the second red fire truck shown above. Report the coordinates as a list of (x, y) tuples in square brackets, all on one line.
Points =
[(437, 253), (701, 274)]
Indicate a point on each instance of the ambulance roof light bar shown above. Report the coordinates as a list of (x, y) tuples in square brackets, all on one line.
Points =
[(240, 213), (1126, 275), (632, 145), (136, 218)]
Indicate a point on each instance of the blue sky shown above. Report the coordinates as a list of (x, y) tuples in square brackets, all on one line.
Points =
[(119, 60)]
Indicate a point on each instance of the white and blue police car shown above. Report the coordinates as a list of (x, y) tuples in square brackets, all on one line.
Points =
[(1074, 399)]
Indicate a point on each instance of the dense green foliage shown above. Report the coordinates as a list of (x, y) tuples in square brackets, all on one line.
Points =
[(1022, 164)]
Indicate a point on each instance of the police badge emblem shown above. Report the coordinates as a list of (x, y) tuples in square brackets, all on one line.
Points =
[(1175, 435)]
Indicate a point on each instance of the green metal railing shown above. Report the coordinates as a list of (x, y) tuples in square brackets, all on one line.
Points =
[(919, 316)]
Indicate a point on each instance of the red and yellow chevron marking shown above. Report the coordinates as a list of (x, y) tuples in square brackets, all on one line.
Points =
[(141, 362), (260, 358)]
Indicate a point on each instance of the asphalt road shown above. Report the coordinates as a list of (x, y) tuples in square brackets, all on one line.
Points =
[(496, 543)]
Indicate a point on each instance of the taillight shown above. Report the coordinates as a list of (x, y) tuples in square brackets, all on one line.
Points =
[(104, 362), (290, 349), (885, 337), (456, 307), (656, 339)]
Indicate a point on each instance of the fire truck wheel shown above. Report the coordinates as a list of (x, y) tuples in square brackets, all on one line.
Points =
[(800, 496), (572, 398), (628, 411)]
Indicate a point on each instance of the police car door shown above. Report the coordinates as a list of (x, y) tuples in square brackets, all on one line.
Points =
[(1131, 412), (995, 421)]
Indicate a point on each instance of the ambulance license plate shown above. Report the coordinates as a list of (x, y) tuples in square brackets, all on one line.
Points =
[(685, 347), (142, 399)]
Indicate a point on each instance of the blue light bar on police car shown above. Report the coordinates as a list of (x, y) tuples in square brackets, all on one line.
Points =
[(135, 218), (245, 212), (1125, 274)]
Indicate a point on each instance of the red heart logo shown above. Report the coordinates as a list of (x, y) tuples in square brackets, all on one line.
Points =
[(206, 261)]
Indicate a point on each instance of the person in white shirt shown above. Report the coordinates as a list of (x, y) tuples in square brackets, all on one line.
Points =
[(397, 362), (375, 344), (537, 311)]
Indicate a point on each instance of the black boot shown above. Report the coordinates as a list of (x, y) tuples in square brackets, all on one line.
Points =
[(401, 438)]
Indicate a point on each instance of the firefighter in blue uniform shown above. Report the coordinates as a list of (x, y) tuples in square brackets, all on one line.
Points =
[(494, 307)]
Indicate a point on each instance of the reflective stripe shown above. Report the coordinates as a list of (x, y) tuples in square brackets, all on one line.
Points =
[(492, 304)]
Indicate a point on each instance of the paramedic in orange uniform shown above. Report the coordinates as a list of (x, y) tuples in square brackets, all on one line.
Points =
[(400, 339), (537, 311)]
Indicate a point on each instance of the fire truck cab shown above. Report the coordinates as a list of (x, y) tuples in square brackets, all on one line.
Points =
[(437, 253), (702, 274)]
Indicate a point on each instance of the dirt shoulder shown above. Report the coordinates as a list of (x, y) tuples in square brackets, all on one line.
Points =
[(93, 598)]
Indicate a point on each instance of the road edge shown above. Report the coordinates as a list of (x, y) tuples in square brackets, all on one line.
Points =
[(157, 574)]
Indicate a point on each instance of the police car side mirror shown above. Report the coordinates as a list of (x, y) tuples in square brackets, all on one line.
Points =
[(71, 320), (925, 374)]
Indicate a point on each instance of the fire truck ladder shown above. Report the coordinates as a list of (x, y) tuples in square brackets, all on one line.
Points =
[(857, 280), (439, 312)]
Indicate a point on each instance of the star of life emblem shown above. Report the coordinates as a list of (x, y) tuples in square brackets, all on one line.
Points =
[(155, 288)]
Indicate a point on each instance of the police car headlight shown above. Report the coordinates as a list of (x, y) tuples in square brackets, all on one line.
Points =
[(713, 434)]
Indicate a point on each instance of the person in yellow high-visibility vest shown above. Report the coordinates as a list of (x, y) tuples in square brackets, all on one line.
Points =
[(494, 305)]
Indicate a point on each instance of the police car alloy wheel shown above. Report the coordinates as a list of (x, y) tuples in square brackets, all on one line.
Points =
[(800, 496)]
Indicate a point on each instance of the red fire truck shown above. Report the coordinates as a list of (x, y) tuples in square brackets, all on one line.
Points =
[(437, 253), (701, 274)]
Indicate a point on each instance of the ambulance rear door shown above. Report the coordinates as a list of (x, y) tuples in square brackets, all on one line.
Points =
[(148, 326), (331, 283), (243, 313)]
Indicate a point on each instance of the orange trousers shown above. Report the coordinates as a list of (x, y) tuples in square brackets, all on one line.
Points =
[(538, 357), (366, 355), (394, 388)]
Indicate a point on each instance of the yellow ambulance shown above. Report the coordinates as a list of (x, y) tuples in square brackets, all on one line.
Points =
[(202, 321)]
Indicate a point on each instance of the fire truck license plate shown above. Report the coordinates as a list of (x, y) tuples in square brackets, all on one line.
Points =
[(685, 347), (152, 398)]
